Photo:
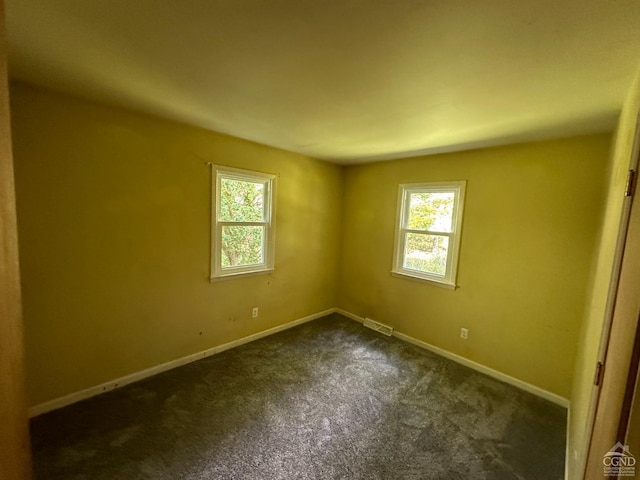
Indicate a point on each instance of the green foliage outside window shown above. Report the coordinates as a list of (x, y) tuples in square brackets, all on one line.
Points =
[(242, 201), (429, 212)]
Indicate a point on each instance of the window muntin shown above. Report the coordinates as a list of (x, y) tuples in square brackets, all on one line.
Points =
[(243, 227), (428, 231)]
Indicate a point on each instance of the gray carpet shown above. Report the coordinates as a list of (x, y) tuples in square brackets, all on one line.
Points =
[(326, 400)]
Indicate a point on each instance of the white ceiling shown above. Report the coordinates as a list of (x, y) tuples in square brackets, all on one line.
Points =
[(343, 80)]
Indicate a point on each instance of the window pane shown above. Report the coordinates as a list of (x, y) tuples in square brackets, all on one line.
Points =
[(241, 201), (426, 253), (242, 245), (431, 211)]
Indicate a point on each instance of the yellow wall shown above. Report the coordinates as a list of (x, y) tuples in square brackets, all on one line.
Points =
[(113, 211), (590, 333), (531, 219)]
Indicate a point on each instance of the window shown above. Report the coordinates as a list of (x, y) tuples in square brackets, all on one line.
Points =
[(242, 228), (428, 232)]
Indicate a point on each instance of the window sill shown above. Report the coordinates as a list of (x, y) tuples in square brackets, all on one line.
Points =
[(229, 276), (435, 283)]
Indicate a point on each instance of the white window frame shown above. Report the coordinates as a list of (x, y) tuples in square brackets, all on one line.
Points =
[(219, 172), (447, 280)]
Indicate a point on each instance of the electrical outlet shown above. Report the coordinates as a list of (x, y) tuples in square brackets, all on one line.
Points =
[(464, 333), (254, 312)]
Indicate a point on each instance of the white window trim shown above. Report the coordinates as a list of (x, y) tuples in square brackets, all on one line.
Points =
[(404, 191), (216, 271)]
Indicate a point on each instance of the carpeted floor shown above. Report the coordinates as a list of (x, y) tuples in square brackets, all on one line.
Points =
[(326, 400)]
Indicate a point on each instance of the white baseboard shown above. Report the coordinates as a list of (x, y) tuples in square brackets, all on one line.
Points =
[(522, 385), (350, 315), (134, 377)]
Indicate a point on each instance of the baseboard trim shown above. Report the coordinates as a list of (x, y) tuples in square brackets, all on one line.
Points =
[(522, 385), (350, 315), (137, 376), (149, 372)]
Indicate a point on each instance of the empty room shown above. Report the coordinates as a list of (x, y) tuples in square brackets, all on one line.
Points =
[(319, 240)]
